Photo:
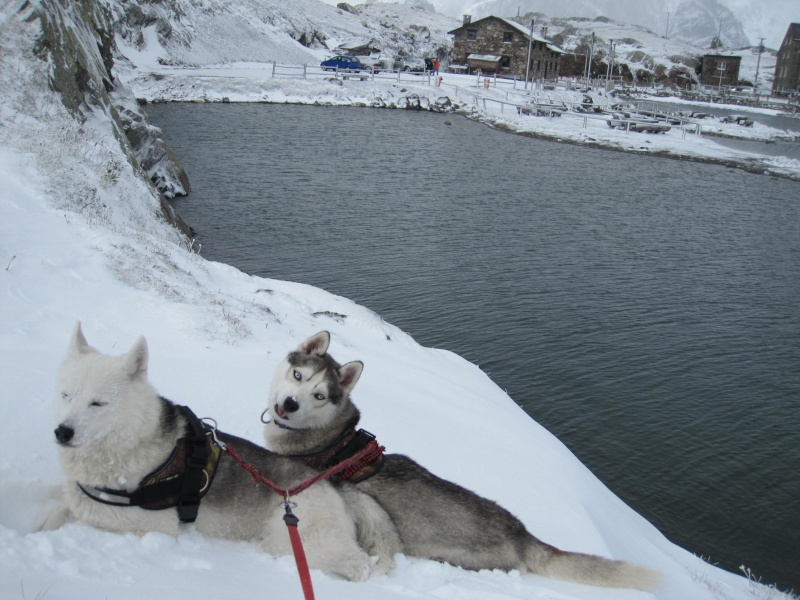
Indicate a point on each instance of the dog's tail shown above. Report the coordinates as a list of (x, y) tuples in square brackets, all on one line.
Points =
[(590, 569)]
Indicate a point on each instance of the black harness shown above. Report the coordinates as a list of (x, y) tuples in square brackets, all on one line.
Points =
[(180, 482)]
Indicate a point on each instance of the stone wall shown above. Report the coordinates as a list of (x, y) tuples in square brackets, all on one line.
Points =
[(495, 37), (787, 67), (718, 70)]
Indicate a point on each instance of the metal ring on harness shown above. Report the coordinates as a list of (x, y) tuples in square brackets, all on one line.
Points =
[(204, 487)]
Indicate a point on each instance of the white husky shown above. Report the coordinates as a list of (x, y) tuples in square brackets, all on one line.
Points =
[(314, 419), (137, 462)]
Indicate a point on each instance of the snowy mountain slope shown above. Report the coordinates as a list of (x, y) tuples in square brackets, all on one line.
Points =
[(768, 20), (752, 18), (691, 21), (194, 32), (203, 32)]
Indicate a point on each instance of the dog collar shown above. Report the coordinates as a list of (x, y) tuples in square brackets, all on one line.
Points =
[(285, 426), (179, 482)]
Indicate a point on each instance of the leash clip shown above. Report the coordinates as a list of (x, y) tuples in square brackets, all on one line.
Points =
[(211, 425), (268, 420), (287, 504)]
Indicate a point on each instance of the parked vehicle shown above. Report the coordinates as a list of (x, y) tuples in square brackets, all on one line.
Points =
[(341, 62), (738, 119), (403, 63), (375, 63)]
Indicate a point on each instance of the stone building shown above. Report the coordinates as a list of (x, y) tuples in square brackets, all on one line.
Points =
[(500, 46), (787, 66), (720, 70)]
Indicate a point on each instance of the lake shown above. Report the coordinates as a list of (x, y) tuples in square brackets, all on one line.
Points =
[(644, 310)]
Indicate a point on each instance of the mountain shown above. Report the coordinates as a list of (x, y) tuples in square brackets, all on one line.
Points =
[(753, 19), (694, 22)]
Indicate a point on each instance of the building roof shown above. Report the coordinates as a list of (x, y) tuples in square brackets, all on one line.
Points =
[(514, 25), (720, 55), (484, 57)]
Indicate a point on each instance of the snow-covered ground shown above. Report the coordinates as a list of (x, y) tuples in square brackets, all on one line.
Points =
[(496, 106), (81, 237)]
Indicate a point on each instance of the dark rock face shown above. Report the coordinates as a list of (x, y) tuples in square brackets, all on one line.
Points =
[(77, 41), (152, 152), (78, 44)]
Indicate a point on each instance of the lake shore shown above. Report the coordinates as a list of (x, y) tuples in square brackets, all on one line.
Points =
[(497, 106)]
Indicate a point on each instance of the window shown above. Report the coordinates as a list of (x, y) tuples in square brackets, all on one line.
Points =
[(508, 37), (505, 62), (472, 35)]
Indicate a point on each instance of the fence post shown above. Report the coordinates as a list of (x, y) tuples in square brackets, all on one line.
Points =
[(305, 65), (273, 68)]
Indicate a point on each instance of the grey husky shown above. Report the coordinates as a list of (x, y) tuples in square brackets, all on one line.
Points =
[(312, 417), (136, 462)]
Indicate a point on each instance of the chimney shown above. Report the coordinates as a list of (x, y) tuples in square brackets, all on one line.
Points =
[(467, 19)]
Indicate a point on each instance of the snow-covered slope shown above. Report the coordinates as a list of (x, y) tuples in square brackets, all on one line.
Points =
[(194, 32), (206, 32)]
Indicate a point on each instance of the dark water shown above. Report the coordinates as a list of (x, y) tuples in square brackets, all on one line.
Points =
[(646, 311)]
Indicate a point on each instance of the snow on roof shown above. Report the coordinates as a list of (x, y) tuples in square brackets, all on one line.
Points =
[(527, 33), (486, 57)]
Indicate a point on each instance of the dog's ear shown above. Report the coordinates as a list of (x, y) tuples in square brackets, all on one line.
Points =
[(316, 344), (349, 374), (78, 343), (136, 359)]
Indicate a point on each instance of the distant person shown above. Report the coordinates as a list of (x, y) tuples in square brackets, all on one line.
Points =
[(435, 66)]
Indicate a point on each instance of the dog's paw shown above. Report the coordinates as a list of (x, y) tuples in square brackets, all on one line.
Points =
[(354, 569), (381, 565), (57, 519)]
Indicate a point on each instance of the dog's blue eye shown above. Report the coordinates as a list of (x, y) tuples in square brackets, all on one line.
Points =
[(319, 397), (97, 403), (297, 375)]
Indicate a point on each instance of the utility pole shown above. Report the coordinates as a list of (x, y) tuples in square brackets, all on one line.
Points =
[(589, 61), (758, 64), (530, 47), (666, 33), (610, 70)]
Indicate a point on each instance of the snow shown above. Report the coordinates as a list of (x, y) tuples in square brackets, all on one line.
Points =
[(81, 237)]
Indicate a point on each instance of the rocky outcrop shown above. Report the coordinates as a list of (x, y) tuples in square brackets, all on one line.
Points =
[(77, 42)]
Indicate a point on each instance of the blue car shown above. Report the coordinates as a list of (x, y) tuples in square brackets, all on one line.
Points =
[(342, 63)]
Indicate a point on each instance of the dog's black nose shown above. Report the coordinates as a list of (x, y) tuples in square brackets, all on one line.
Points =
[(290, 405), (64, 434)]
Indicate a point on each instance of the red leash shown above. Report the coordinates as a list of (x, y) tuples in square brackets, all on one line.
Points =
[(299, 554), (365, 454)]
